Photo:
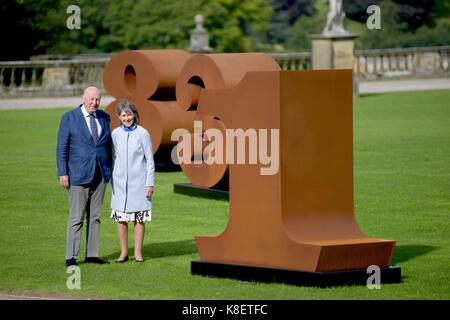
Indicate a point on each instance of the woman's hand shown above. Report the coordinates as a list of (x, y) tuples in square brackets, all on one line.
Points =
[(148, 192)]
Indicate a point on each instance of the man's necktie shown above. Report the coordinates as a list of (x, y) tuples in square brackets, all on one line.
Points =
[(94, 129)]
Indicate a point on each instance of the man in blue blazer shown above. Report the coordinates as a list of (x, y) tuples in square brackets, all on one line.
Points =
[(83, 156)]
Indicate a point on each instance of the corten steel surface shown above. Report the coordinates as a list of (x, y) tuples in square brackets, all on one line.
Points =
[(214, 71), (302, 218), (148, 79)]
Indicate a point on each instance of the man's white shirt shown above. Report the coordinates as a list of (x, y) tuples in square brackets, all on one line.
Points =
[(86, 117)]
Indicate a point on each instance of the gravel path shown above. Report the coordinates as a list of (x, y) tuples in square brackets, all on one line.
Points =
[(41, 296)]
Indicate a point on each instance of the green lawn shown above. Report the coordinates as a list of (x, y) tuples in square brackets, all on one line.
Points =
[(402, 192)]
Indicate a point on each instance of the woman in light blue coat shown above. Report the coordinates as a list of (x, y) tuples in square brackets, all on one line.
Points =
[(132, 179)]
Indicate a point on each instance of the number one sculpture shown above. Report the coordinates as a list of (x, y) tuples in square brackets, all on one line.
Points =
[(296, 225)]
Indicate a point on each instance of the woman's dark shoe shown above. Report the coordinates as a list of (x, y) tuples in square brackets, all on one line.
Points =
[(137, 260), (123, 260)]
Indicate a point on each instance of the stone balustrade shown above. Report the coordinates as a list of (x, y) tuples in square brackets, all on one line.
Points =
[(49, 77), (402, 62), (70, 77), (293, 60)]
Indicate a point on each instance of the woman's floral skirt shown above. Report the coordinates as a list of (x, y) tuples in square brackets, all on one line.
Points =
[(140, 216)]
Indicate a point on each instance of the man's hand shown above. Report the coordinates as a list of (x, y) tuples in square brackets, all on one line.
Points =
[(64, 182), (148, 192)]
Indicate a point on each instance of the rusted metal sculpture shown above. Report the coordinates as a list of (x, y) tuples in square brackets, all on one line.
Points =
[(148, 79), (303, 217), (299, 218), (212, 72)]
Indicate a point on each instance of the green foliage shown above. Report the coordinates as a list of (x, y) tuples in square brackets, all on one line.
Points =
[(29, 27), (395, 34), (391, 33), (305, 26), (394, 31), (109, 26), (85, 40), (127, 24), (414, 13), (153, 24), (285, 14), (441, 9), (234, 25), (439, 35)]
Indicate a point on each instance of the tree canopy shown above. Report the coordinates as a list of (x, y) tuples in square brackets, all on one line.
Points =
[(30, 27)]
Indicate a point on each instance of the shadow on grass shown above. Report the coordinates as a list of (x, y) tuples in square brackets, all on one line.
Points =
[(407, 252), (365, 95), (402, 253), (161, 249)]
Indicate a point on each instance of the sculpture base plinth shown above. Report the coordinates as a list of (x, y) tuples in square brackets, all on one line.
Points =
[(295, 277), (195, 191)]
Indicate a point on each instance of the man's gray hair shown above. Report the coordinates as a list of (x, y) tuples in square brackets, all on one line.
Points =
[(127, 107), (90, 89)]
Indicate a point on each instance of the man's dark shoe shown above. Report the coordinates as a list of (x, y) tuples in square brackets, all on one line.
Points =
[(71, 262), (95, 260)]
